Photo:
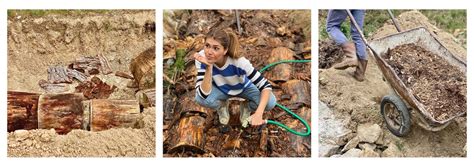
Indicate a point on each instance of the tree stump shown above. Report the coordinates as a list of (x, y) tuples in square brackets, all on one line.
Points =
[(22, 109), (143, 69), (281, 72), (63, 112), (106, 114), (190, 135)]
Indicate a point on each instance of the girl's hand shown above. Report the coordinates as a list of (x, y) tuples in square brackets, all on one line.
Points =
[(202, 59), (256, 119)]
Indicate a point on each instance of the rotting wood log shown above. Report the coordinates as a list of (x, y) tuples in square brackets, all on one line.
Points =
[(107, 114), (190, 135), (143, 69), (281, 72), (300, 92), (22, 110), (63, 112), (146, 97)]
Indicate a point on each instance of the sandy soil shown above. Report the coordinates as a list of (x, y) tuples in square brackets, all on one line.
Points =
[(35, 43), (361, 100)]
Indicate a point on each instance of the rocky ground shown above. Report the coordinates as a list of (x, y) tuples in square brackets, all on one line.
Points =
[(350, 123), (36, 43)]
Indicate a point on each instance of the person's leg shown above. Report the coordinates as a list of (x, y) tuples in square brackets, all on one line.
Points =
[(359, 43), (333, 28), (216, 101), (359, 73), (252, 94)]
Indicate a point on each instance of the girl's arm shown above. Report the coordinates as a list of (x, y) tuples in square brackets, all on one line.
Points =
[(206, 85), (204, 75), (257, 117)]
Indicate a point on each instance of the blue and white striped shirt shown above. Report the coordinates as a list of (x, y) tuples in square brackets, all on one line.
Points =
[(232, 78)]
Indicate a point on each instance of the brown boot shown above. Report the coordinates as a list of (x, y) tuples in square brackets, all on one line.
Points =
[(350, 57), (359, 73)]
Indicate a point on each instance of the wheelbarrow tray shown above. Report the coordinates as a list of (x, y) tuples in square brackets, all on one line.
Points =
[(421, 37)]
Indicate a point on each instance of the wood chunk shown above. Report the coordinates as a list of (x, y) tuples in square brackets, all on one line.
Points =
[(104, 65), (107, 114), (58, 74), (281, 72), (146, 97), (123, 75), (76, 74), (95, 89), (143, 69), (188, 104), (63, 112), (300, 92), (89, 65), (52, 88), (22, 109)]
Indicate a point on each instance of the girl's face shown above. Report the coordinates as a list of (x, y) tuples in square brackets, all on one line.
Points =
[(214, 51)]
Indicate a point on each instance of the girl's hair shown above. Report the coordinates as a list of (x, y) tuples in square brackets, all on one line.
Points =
[(228, 39)]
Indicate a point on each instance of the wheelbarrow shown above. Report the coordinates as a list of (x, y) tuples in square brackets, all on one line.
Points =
[(400, 106)]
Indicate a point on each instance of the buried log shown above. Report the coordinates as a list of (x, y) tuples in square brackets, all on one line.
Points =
[(106, 114), (63, 112), (143, 69), (300, 92), (281, 72), (22, 110)]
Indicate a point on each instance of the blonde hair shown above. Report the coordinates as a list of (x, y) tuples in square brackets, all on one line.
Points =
[(228, 40)]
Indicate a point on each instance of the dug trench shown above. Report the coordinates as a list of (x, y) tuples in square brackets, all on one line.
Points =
[(85, 82), (350, 123), (266, 37)]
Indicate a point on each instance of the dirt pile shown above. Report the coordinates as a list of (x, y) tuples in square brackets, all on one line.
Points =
[(438, 85), (329, 54)]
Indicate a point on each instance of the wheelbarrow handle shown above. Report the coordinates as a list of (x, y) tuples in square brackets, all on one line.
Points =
[(394, 20)]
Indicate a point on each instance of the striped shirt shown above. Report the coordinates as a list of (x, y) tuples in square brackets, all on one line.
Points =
[(232, 78)]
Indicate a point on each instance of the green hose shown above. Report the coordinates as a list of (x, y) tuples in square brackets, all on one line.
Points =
[(308, 131)]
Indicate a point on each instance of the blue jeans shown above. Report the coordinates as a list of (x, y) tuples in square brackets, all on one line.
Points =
[(333, 28), (216, 98)]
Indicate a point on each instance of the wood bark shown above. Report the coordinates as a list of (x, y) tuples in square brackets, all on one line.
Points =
[(63, 112), (22, 109)]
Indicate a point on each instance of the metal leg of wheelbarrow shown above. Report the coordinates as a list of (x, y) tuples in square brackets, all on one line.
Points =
[(396, 115)]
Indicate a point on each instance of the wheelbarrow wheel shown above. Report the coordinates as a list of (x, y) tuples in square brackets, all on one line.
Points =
[(395, 114)]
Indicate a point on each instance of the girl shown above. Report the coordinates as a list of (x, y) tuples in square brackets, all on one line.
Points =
[(223, 73)]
